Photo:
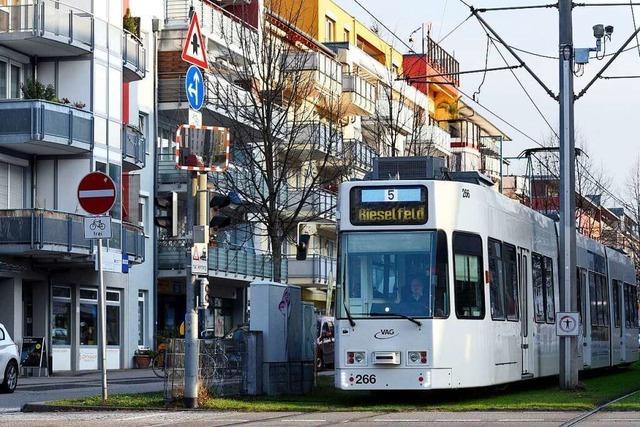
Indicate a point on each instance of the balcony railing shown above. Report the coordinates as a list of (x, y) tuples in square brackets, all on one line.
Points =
[(42, 127), (232, 262), (361, 95), (29, 231), (490, 145), (134, 58), (395, 114), (317, 204), (442, 61), (46, 28), (314, 271), (133, 242), (432, 140), (359, 154), (220, 26), (134, 147), (319, 137), (323, 71)]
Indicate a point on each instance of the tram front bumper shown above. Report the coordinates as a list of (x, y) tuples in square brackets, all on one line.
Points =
[(392, 378)]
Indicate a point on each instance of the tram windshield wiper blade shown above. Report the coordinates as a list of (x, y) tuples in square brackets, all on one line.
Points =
[(404, 316), (351, 321)]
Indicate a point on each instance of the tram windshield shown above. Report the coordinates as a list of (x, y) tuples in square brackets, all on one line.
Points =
[(394, 274)]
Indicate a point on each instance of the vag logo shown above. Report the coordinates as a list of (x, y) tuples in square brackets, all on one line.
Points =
[(384, 334)]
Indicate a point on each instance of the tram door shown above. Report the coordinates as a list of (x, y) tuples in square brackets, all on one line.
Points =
[(524, 281), (585, 309)]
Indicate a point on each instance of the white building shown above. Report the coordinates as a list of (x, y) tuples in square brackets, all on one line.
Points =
[(90, 110)]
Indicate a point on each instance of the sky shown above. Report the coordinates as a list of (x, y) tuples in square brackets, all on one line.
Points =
[(606, 118)]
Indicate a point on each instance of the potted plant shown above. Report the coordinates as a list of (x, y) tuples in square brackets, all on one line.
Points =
[(142, 358), (131, 23), (33, 89)]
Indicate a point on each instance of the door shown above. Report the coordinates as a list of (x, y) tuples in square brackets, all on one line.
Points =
[(524, 282), (585, 302)]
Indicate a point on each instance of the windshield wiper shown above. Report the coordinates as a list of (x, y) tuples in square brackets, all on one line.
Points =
[(404, 316), (351, 321)]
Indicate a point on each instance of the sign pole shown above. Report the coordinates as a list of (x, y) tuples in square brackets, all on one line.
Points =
[(103, 324), (191, 350)]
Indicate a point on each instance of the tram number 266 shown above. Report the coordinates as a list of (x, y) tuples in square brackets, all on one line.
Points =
[(365, 379)]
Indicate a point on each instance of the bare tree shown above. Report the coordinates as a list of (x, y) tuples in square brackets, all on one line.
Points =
[(280, 93), (633, 202)]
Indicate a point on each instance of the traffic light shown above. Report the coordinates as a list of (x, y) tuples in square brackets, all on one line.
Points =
[(217, 219), (301, 247), (204, 293), (167, 215)]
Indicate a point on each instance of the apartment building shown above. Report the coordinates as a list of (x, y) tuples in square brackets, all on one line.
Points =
[(75, 97)]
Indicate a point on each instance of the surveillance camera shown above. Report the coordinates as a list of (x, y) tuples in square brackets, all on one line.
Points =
[(608, 30), (598, 31)]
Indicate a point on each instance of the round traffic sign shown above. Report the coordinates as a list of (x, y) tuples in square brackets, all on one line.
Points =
[(194, 87), (96, 193)]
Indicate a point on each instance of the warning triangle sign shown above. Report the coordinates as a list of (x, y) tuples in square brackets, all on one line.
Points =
[(194, 50)]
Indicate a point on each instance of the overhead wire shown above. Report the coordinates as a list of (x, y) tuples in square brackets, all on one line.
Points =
[(593, 179), (633, 17), (444, 10), (455, 28), (486, 64)]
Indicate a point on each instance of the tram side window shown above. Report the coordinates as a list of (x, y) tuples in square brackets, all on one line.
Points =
[(538, 287), (511, 282), (543, 298), (469, 289), (496, 294), (615, 300), (599, 298), (630, 306), (593, 299)]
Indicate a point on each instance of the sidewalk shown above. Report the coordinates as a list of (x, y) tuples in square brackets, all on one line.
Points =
[(38, 389)]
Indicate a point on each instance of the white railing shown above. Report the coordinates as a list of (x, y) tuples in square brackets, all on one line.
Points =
[(436, 137)]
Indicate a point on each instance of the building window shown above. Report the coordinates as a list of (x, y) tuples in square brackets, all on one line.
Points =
[(142, 298), (11, 186), (143, 213), (61, 316), (16, 74), (113, 318), (346, 36), (329, 29), (115, 172), (88, 317), (3, 79)]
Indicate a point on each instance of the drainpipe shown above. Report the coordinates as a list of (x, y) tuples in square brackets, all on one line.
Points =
[(156, 29)]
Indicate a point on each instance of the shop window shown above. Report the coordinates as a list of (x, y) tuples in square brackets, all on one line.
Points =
[(113, 318)]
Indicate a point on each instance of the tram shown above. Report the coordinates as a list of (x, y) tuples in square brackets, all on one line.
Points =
[(448, 284)]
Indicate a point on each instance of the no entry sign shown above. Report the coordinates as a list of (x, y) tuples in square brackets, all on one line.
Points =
[(96, 193)]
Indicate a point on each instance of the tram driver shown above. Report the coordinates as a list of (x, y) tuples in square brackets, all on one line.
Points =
[(415, 299)]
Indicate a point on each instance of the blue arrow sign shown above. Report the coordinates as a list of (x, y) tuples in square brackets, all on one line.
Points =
[(194, 86)]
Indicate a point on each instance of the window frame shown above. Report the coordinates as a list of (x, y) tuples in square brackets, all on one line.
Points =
[(329, 29), (546, 276), (515, 283), (481, 280), (497, 285)]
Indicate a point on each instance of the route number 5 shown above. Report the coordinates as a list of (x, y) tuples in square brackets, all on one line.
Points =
[(391, 195)]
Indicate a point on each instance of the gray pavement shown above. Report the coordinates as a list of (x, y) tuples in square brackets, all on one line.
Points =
[(33, 389), (208, 418)]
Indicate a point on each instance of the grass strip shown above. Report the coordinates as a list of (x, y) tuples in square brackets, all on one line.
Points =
[(540, 394)]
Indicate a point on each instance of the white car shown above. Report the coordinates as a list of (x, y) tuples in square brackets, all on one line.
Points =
[(8, 362)]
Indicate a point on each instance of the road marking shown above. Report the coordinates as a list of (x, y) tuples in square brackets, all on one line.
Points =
[(463, 420), (7, 410), (137, 417), (524, 420), (303, 421), (396, 420)]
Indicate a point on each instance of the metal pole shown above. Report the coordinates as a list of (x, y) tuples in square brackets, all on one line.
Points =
[(191, 350), (501, 161), (568, 294), (103, 324)]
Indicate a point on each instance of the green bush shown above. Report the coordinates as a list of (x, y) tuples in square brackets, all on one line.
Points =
[(33, 89)]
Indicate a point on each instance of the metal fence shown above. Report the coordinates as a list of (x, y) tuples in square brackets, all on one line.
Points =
[(222, 367)]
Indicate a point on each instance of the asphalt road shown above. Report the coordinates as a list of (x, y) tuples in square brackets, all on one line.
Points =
[(33, 389), (205, 418)]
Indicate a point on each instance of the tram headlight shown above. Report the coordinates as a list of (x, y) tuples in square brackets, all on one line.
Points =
[(418, 357), (355, 358)]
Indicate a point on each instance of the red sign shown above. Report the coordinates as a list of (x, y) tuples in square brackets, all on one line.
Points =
[(96, 193), (194, 50)]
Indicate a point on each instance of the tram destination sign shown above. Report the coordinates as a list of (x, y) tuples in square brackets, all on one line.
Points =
[(397, 205)]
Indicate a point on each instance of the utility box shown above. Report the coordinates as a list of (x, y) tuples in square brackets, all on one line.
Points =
[(277, 312)]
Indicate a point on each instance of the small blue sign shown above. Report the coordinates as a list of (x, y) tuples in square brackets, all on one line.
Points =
[(125, 263), (194, 86)]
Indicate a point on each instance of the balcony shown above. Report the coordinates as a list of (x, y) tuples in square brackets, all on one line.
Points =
[(26, 232), (315, 271), (395, 114), (358, 95), (44, 128), (432, 140), (320, 74), (490, 145), (134, 148), (46, 28), (134, 58), (317, 139), (317, 204), (359, 154), (224, 29), (356, 57), (227, 262)]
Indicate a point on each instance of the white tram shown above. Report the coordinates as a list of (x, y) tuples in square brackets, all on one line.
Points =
[(446, 284)]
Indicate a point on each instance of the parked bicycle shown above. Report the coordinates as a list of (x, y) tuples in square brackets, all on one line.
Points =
[(159, 363)]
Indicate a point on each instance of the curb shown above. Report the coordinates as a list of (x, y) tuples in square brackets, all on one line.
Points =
[(45, 407)]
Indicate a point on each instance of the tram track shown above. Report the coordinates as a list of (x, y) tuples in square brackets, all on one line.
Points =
[(582, 417)]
